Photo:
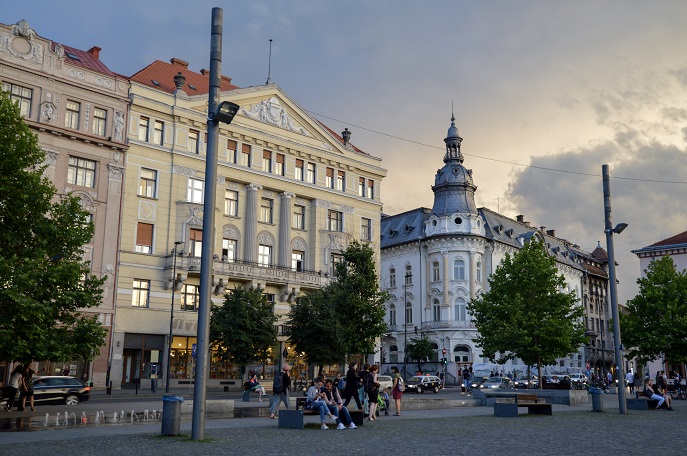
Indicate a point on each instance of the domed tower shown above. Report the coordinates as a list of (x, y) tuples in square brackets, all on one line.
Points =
[(454, 208)]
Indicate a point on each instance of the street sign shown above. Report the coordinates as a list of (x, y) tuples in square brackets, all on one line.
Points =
[(443, 350), (193, 350)]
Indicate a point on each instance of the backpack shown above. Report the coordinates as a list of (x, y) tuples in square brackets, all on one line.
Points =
[(401, 385), (277, 386), (368, 385)]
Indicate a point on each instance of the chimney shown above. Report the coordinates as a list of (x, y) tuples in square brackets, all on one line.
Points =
[(542, 229), (180, 63), (520, 218), (551, 233), (95, 51), (205, 72), (226, 79)]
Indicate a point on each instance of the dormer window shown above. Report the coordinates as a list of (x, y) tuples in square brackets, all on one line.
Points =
[(457, 220), (509, 233), (155, 83), (498, 228)]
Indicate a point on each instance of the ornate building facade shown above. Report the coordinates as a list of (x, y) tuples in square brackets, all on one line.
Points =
[(77, 107), (291, 194), (435, 260)]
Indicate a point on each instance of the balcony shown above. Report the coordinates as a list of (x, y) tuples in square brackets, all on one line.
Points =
[(447, 324), (246, 271)]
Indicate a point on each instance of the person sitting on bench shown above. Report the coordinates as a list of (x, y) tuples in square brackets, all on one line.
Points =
[(651, 394), (315, 401), (254, 385), (335, 405)]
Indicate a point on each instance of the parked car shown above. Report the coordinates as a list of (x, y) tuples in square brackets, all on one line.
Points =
[(523, 383), (65, 390), (420, 383), (477, 382), (385, 381), (497, 383), (578, 378)]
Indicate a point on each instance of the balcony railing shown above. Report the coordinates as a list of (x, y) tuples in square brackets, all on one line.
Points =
[(447, 324), (242, 270)]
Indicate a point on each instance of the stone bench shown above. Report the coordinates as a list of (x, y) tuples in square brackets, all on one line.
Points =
[(535, 406)]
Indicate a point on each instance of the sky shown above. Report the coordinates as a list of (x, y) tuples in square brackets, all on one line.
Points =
[(544, 93)]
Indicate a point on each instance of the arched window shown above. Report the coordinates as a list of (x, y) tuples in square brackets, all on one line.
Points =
[(409, 275), (460, 310), (392, 315), (461, 354), (478, 271), (436, 310), (458, 269), (435, 272), (393, 348), (392, 277), (409, 313)]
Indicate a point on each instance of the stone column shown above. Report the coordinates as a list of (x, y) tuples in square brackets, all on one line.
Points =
[(447, 277), (251, 227), (284, 241), (471, 275)]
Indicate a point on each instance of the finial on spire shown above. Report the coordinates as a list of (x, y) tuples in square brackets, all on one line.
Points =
[(453, 118), (269, 65)]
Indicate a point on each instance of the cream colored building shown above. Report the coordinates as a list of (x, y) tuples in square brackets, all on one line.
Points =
[(78, 109), (291, 194)]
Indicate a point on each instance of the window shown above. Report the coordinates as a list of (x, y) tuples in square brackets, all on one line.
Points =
[(193, 144), (366, 229), (341, 181), (159, 133), (409, 313), (361, 186), (299, 217), (478, 271), (267, 161), (299, 170), (231, 203), (231, 151), (436, 310), (329, 178), (143, 128), (409, 275), (71, 118), (392, 315), (370, 189), (196, 242), (81, 172), (459, 270), (335, 259), (297, 260), (279, 165), (311, 173), (195, 191), (460, 310), (266, 210), (245, 155), (264, 255), (140, 293), (190, 297), (144, 238), (435, 272), (228, 250), (392, 277), (21, 96), (147, 183), (335, 220), (99, 121)]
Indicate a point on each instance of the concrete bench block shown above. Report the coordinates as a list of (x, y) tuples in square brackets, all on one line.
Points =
[(291, 419)]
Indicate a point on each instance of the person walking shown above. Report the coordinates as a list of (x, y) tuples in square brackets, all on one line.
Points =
[(27, 388), (630, 379), (13, 386), (351, 386), (396, 392), (282, 394), (372, 391)]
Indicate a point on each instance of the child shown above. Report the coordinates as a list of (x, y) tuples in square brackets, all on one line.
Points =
[(385, 395)]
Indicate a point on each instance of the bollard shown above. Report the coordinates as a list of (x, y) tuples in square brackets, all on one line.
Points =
[(597, 399), (171, 414)]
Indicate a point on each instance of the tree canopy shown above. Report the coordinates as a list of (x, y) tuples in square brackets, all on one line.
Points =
[(242, 329), (525, 314), (420, 350), (44, 281), (655, 320)]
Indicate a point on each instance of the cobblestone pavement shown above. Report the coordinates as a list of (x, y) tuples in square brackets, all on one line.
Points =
[(456, 431)]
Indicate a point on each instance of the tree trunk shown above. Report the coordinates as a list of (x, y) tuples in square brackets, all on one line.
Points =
[(539, 374)]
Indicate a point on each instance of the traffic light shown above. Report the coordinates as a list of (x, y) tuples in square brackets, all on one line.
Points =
[(445, 361), (416, 330)]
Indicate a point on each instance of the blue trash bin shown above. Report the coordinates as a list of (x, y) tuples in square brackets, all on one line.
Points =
[(597, 399), (171, 414)]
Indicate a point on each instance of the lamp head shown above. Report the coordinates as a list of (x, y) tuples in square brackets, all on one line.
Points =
[(619, 228), (226, 112)]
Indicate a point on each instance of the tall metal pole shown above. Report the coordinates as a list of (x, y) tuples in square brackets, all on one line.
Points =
[(617, 345), (171, 316), (408, 276), (203, 347)]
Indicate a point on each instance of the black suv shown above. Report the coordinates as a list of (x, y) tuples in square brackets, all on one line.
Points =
[(65, 390)]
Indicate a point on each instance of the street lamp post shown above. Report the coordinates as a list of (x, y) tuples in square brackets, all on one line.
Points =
[(408, 278), (614, 290), (171, 315)]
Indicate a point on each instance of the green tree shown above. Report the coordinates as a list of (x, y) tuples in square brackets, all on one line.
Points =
[(420, 350), (357, 299), (656, 318), (44, 282), (313, 329), (242, 329), (525, 314)]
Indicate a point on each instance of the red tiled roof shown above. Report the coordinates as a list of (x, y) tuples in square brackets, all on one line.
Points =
[(340, 138), (87, 59), (677, 239), (600, 254), (163, 73)]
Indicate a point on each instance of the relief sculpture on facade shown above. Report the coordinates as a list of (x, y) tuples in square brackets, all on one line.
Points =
[(272, 112)]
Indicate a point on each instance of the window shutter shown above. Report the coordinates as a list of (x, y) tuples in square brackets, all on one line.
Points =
[(144, 234)]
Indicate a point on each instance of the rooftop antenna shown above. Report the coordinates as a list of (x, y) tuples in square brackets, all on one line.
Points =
[(269, 65)]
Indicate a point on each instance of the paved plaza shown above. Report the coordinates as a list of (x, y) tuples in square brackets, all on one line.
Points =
[(572, 430)]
